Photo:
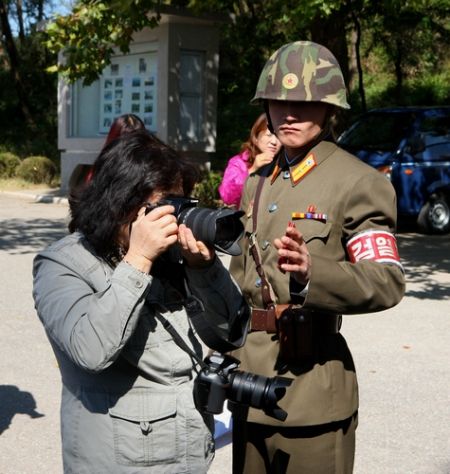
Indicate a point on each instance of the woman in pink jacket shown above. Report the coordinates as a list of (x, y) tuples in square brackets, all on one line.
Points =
[(259, 149)]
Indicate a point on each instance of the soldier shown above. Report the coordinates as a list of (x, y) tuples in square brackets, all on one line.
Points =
[(319, 243)]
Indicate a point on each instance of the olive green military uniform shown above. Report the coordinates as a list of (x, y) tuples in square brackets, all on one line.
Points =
[(344, 197)]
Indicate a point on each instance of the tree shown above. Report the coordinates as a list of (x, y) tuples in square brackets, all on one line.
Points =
[(14, 63), (405, 35), (28, 101), (413, 36), (87, 37)]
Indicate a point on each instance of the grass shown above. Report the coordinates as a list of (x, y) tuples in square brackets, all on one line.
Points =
[(17, 184)]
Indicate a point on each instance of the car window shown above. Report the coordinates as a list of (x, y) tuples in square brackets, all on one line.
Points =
[(435, 130), (378, 131)]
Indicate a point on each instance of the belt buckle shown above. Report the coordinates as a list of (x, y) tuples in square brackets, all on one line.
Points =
[(252, 239)]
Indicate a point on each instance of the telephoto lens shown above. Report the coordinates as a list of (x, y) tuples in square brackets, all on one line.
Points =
[(218, 228), (260, 392), (221, 228), (219, 379)]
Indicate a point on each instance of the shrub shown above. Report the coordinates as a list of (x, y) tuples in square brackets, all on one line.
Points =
[(37, 169), (206, 190), (8, 164)]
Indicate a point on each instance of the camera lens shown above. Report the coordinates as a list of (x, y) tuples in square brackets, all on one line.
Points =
[(221, 228), (258, 391)]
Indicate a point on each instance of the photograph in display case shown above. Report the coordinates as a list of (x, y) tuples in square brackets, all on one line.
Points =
[(142, 65)]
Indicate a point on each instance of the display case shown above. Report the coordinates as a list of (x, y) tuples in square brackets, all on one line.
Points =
[(168, 78)]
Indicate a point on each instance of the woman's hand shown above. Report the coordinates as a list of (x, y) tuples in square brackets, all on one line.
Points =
[(295, 256), (151, 235), (195, 252), (261, 160)]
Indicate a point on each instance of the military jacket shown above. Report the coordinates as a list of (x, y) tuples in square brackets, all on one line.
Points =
[(348, 197)]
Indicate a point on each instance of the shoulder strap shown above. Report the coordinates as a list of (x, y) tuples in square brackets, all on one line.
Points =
[(179, 340), (266, 288)]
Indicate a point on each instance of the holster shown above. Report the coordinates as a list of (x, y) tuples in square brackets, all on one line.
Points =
[(295, 334), (295, 327)]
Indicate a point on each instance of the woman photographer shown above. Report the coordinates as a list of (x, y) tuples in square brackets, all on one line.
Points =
[(105, 294)]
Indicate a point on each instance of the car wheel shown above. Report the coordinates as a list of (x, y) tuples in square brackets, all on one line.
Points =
[(434, 216)]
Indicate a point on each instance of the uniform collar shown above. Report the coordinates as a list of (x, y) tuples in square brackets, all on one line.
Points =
[(304, 163)]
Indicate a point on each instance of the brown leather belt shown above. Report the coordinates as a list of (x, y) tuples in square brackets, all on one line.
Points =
[(265, 319)]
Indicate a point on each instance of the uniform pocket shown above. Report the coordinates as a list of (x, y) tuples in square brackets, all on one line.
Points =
[(312, 229), (144, 426)]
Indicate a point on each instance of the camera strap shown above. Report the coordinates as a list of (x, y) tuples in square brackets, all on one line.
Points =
[(179, 340), (207, 333)]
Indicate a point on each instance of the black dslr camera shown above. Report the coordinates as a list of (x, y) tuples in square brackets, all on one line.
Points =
[(221, 228), (220, 380)]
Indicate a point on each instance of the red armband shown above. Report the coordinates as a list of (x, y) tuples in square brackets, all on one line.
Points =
[(377, 245)]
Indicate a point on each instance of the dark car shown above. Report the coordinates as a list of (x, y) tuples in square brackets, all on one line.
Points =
[(411, 146)]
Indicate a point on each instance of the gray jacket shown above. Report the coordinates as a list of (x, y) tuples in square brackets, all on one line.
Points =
[(127, 402)]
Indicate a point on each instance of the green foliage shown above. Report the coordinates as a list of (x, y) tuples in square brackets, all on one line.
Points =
[(404, 51), (41, 87), (8, 164), (86, 37), (36, 169), (206, 189)]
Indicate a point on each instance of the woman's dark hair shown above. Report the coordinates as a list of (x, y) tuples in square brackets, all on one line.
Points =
[(123, 124), (125, 173)]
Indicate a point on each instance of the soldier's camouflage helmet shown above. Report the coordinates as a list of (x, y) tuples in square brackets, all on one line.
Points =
[(302, 71)]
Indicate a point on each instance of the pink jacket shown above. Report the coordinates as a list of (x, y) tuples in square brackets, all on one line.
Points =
[(236, 172)]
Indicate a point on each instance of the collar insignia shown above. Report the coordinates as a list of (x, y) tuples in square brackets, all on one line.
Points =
[(303, 168), (275, 173), (297, 172)]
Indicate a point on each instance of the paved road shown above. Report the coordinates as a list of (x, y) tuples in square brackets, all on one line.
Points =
[(402, 358)]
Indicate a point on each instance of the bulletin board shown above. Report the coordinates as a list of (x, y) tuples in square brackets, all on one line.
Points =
[(128, 85)]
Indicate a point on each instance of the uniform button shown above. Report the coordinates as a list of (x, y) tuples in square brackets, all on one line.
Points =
[(273, 207), (265, 244), (258, 283), (139, 284)]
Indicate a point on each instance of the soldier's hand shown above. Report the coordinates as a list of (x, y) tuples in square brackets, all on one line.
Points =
[(294, 255)]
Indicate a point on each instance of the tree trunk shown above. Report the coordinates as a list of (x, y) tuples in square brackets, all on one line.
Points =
[(357, 46), (14, 65), (20, 20), (330, 33), (40, 10), (398, 71)]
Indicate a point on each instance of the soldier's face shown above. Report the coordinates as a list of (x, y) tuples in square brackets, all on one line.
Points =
[(297, 123)]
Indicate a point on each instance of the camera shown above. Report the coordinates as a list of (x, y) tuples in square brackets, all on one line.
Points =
[(219, 379), (220, 228)]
